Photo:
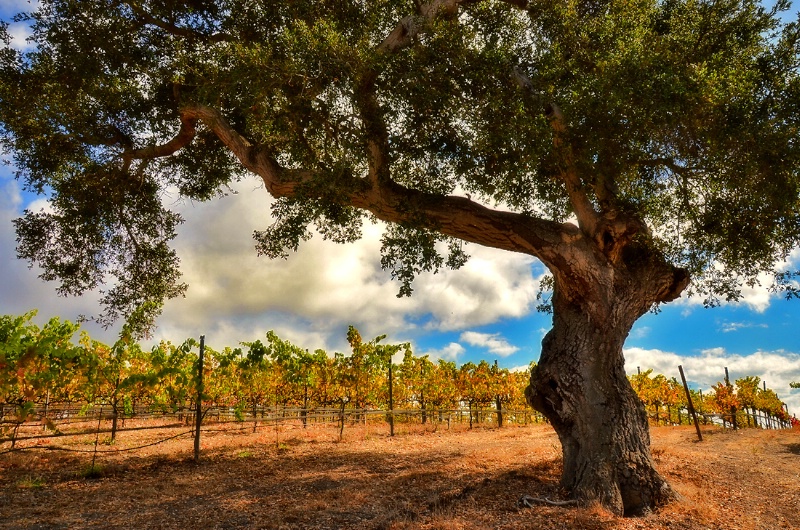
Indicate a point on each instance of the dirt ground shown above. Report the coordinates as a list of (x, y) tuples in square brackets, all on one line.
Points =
[(420, 479)]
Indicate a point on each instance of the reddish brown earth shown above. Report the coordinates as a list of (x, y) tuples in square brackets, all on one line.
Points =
[(456, 479)]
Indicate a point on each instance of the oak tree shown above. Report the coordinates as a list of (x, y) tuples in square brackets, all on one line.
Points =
[(638, 149)]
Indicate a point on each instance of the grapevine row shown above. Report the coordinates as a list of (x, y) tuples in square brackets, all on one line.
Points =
[(43, 367)]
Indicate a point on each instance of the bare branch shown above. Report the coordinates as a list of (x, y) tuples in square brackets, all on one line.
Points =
[(526, 501)]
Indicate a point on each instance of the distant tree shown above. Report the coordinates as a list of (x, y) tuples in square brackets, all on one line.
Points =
[(634, 148), (220, 375), (257, 378), (767, 401), (365, 370), (477, 386), (173, 368)]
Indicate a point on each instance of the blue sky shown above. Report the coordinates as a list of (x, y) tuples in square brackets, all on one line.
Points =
[(486, 310)]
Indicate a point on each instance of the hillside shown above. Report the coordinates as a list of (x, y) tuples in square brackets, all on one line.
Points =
[(419, 479)]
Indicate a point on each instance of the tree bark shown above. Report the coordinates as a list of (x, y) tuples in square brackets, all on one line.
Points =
[(580, 385)]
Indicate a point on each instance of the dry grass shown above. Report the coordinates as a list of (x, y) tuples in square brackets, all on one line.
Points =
[(420, 479)]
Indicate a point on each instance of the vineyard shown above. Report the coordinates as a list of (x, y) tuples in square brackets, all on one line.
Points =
[(51, 387), (742, 404)]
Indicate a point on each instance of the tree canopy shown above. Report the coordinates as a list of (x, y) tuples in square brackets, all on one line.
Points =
[(521, 125)]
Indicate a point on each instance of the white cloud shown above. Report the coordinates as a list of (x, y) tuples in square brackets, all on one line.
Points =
[(728, 327), (639, 332), (324, 285), (777, 368), (757, 297), (491, 341), (19, 33), (449, 353), (309, 298), (794, 258)]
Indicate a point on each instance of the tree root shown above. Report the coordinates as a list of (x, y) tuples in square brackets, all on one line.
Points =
[(526, 501)]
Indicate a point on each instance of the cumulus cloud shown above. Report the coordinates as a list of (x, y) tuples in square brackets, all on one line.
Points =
[(310, 298), (777, 368), (19, 34), (449, 353), (322, 288), (756, 297), (491, 341)]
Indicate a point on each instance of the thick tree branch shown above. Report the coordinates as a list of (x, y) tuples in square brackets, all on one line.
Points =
[(587, 216), (451, 215), (454, 216), (610, 228), (409, 27), (185, 135)]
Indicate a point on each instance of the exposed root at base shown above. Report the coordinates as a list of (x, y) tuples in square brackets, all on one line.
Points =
[(526, 501)]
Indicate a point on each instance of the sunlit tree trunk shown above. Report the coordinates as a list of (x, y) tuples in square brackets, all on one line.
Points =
[(580, 383)]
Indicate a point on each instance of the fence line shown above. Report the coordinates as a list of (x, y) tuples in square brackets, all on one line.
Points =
[(93, 451), (75, 416), (83, 414), (259, 417), (759, 419)]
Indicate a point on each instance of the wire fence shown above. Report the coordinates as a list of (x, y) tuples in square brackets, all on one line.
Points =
[(44, 426), (755, 419), (63, 421)]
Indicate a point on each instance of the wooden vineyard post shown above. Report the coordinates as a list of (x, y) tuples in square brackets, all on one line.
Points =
[(199, 407), (93, 470), (391, 399), (341, 420), (733, 409), (691, 405), (498, 402), (46, 405)]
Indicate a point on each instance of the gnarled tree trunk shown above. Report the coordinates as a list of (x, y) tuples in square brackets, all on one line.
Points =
[(580, 383)]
